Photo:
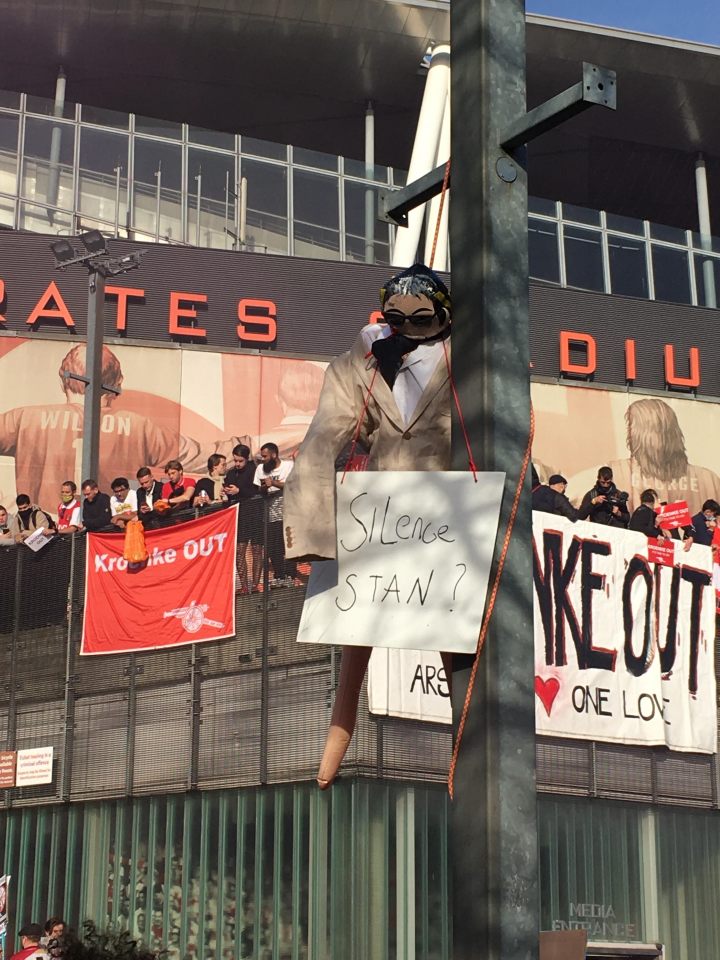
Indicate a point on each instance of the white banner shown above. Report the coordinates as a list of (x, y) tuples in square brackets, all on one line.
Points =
[(409, 684), (414, 554), (624, 648)]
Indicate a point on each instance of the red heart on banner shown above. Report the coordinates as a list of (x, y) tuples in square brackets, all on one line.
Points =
[(547, 690)]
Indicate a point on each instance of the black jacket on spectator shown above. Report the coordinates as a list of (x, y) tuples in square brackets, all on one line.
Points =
[(155, 490), (644, 520), (243, 480), (703, 534), (550, 501), (96, 513), (602, 512)]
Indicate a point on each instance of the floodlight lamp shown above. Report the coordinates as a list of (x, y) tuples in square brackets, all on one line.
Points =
[(93, 241), (63, 251)]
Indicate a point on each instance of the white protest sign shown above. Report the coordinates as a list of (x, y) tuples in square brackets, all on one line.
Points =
[(34, 766), (624, 648), (410, 684), (414, 556)]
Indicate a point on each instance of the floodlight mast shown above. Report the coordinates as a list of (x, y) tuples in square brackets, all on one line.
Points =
[(99, 265)]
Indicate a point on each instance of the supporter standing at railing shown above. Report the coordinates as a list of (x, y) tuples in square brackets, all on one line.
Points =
[(96, 512), (5, 535), (69, 509), (551, 498), (705, 522), (211, 489), (29, 518), (270, 477), (123, 502), (240, 489), (148, 493), (177, 492), (605, 503)]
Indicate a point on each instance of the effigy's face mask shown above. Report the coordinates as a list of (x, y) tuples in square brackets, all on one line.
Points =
[(414, 316)]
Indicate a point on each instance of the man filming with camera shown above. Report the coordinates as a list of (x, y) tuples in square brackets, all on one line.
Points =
[(605, 503)]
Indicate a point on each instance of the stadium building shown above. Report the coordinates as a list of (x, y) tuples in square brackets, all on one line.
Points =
[(242, 147)]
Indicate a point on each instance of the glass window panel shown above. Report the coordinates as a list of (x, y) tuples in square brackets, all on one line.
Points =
[(616, 221), (356, 168), (8, 152), (158, 128), (39, 219), (315, 199), (104, 118), (152, 157), (670, 270), (267, 225), (698, 243), (361, 204), (399, 177), (580, 214), (313, 158), (212, 138), (10, 99), (216, 186), (628, 269), (583, 259), (7, 212), (540, 205), (46, 107), (316, 215), (707, 276), (41, 180), (544, 259), (659, 231), (101, 153), (263, 148)]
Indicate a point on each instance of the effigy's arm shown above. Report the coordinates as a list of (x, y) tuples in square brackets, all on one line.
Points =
[(309, 508)]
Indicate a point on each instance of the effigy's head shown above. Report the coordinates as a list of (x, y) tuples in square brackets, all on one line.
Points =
[(416, 303)]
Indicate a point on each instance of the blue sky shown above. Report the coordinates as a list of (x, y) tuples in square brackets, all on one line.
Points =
[(689, 20)]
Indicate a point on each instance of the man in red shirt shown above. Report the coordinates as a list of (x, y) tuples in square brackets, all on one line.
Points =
[(30, 937), (178, 491)]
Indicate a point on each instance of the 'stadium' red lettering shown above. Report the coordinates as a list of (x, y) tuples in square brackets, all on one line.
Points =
[(376, 317), (2, 301), (630, 361), (44, 308), (567, 340), (178, 312), (258, 320), (671, 378), (123, 294)]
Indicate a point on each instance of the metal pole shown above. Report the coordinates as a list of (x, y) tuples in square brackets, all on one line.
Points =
[(197, 207), (227, 207), (117, 201), (703, 205), (243, 212), (369, 193), (53, 188), (92, 416), (493, 820), (158, 190), (69, 700)]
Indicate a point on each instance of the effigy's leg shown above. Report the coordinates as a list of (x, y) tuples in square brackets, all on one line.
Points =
[(353, 667)]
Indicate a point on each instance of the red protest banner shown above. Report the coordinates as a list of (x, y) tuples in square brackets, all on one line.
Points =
[(183, 593), (674, 515), (661, 551)]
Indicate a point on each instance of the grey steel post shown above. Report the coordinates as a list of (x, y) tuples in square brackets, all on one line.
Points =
[(369, 193), (703, 206), (92, 412), (53, 187), (493, 818)]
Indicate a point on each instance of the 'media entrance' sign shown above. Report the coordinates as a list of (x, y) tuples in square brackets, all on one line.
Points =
[(623, 647)]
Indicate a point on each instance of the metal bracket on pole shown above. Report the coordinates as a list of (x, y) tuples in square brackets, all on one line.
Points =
[(598, 88)]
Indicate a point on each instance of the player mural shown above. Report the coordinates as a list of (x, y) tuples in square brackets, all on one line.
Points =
[(171, 404)]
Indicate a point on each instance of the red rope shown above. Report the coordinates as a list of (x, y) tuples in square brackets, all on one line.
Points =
[(491, 604), (456, 398), (358, 428), (446, 180)]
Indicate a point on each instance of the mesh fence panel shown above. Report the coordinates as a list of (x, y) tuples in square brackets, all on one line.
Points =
[(249, 710)]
